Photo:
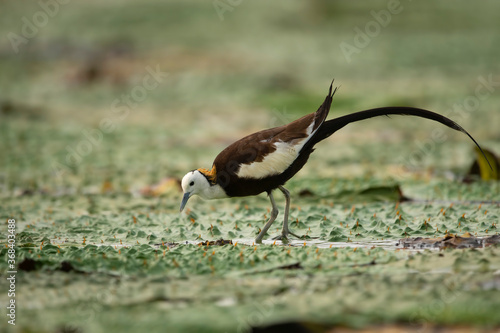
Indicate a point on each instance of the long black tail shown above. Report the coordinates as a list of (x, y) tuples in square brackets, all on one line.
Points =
[(331, 126)]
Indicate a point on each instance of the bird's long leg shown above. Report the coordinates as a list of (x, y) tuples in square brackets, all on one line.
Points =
[(285, 231), (274, 214)]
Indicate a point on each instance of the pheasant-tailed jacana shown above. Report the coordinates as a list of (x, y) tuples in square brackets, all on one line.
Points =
[(266, 160)]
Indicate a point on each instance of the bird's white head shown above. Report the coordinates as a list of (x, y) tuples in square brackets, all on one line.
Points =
[(193, 183), (201, 182)]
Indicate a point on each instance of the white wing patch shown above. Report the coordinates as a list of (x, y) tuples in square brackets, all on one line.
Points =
[(276, 162)]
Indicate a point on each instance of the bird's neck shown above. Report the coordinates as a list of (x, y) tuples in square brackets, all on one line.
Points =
[(213, 192)]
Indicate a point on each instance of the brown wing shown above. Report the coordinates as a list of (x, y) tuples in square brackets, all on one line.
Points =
[(255, 147)]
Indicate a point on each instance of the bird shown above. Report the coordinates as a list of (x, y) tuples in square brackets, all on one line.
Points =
[(264, 161)]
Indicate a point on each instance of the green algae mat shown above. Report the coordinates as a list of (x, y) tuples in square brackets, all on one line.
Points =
[(396, 235), (87, 262)]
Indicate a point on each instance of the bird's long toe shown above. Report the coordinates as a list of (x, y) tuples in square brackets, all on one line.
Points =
[(299, 237), (284, 236)]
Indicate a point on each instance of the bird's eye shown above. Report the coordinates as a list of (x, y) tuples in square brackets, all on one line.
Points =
[(191, 184)]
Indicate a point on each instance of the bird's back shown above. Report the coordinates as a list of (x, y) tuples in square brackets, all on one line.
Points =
[(264, 160)]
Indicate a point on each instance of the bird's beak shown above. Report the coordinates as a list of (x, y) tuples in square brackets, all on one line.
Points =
[(185, 199)]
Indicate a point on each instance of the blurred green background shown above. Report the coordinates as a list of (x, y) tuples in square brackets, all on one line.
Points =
[(75, 141), (262, 65)]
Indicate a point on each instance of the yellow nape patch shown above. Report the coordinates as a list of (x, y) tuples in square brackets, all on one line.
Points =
[(210, 174)]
